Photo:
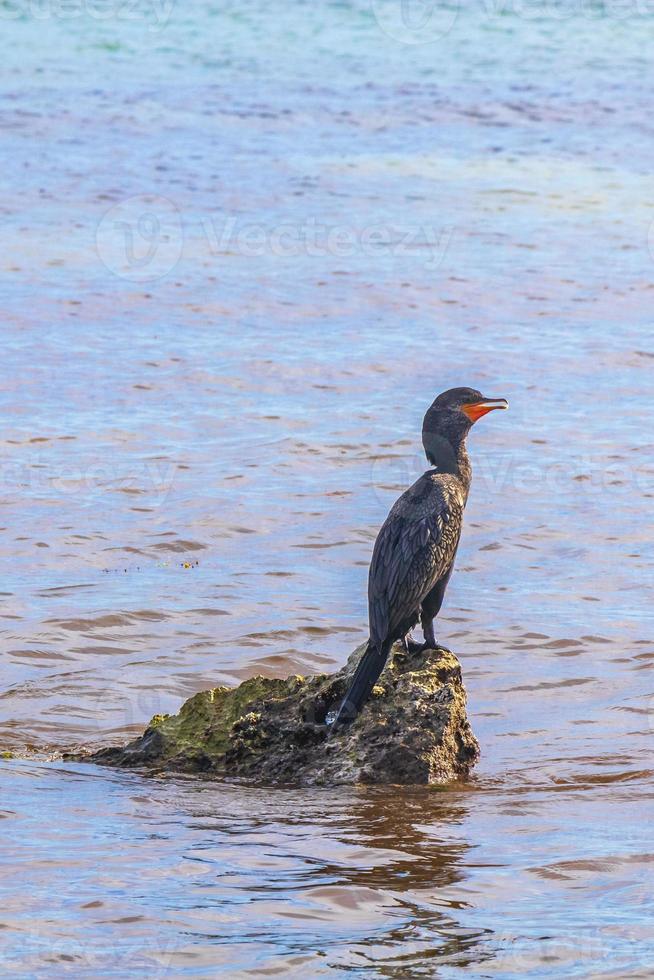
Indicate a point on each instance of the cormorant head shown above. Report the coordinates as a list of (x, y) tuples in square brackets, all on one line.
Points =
[(448, 421)]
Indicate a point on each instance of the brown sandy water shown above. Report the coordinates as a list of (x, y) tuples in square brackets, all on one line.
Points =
[(243, 253)]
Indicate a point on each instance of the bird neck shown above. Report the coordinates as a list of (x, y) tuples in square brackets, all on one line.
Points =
[(465, 468), (447, 458)]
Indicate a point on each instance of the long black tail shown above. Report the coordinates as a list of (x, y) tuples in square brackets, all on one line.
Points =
[(365, 676)]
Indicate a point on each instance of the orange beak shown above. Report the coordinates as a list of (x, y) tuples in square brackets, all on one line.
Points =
[(475, 410)]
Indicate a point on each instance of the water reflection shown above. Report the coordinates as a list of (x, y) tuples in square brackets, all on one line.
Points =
[(229, 865), (168, 874)]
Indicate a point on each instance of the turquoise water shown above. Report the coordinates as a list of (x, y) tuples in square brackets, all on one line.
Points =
[(246, 245)]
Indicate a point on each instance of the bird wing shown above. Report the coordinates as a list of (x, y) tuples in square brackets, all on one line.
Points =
[(414, 549)]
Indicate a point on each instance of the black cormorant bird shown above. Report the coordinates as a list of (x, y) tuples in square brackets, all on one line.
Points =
[(414, 552)]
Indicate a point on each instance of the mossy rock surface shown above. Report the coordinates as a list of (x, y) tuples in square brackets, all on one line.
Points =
[(413, 729)]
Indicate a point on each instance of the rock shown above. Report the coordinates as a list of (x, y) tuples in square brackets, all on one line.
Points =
[(412, 730)]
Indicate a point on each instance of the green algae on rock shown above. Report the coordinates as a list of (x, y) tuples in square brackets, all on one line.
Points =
[(413, 730)]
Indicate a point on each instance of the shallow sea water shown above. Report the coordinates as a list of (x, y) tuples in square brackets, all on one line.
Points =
[(245, 246)]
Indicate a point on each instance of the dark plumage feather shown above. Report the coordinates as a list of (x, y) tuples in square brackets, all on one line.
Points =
[(413, 551)]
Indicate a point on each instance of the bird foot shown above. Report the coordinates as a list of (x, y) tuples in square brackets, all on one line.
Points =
[(414, 647)]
